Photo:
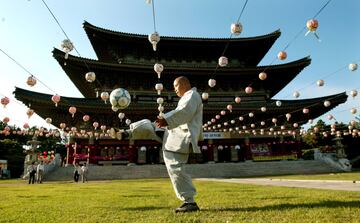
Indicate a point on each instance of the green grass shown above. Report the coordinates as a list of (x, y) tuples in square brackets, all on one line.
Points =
[(351, 176), (152, 200)]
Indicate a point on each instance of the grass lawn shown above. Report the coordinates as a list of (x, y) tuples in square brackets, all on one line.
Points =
[(152, 200)]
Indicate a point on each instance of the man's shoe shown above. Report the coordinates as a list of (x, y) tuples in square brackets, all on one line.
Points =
[(187, 207)]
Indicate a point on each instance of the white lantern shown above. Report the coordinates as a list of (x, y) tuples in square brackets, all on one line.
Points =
[(160, 101), (320, 83), (327, 103), (353, 66), (154, 39), (159, 87), (263, 109), (353, 93), (262, 76), (229, 107), (288, 116), (296, 94), (295, 125), (252, 125), (222, 112), (236, 28), (161, 109), (212, 82), (128, 121), (67, 46), (223, 61), (274, 120), (48, 120), (310, 121), (158, 68), (262, 123), (90, 76), (217, 116), (232, 121), (104, 96), (251, 114), (205, 96), (237, 100), (278, 103), (241, 118), (305, 110), (353, 110)]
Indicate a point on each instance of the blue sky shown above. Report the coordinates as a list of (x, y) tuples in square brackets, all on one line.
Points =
[(29, 33)]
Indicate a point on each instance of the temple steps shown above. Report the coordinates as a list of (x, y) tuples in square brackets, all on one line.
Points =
[(214, 170)]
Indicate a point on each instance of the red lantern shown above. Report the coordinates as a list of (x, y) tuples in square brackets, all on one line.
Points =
[(72, 111), (56, 99), (5, 101), (6, 120)]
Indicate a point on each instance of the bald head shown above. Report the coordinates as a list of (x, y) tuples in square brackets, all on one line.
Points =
[(181, 85)]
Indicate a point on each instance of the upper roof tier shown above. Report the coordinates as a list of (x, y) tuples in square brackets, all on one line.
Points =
[(142, 77), (118, 47)]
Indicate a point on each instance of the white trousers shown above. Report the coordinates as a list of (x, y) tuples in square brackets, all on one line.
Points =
[(180, 180)]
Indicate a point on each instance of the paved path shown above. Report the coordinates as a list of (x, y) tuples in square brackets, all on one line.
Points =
[(318, 184)]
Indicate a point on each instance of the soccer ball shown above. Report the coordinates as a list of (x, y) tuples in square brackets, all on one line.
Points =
[(120, 98)]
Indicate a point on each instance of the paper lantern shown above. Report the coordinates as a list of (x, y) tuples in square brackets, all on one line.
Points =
[(223, 112), (263, 109), (295, 125), (6, 120), (320, 83), (95, 125), (72, 111), (48, 120), (262, 123), (160, 100), (330, 117), (5, 101), (205, 96), (67, 46), (296, 94), (262, 76), (158, 68), (103, 128), (128, 121), (310, 121), (56, 98), (29, 112), (213, 120), (353, 67), (62, 126), (223, 61), (241, 118), (278, 103), (353, 111), (31, 81), (282, 55), (90, 77), (115, 109), (212, 82), (305, 110), (26, 126), (159, 87), (154, 38), (274, 120), (237, 100), (236, 28), (217, 116), (251, 114), (229, 107), (248, 90), (104, 96), (327, 103), (312, 25), (288, 116), (353, 93), (86, 118)]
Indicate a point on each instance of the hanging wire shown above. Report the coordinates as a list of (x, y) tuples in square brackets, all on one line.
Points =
[(153, 11)]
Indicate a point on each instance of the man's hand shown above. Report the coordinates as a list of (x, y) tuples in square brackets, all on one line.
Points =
[(160, 122)]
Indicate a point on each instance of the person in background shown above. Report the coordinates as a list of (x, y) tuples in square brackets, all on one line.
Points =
[(77, 171), (84, 173), (40, 172), (31, 171), (183, 130)]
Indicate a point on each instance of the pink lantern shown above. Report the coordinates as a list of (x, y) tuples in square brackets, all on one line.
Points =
[(103, 128), (229, 107), (86, 118), (26, 126), (237, 100), (31, 81), (213, 120), (330, 117), (56, 98), (212, 82), (5, 101), (95, 125), (217, 116), (282, 55), (248, 90), (6, 120), (29, 112), (262, 76), (305, 110), (7, 128), (222, 112), (62, 126), (72, 111)]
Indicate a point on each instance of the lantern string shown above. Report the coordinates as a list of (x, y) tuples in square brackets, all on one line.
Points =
[(67, 37), (153, 12)]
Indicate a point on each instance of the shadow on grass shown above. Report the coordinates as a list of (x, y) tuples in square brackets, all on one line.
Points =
[(324, 204), (145, 208)]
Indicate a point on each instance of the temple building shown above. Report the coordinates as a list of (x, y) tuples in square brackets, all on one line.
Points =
[(127, 60)]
